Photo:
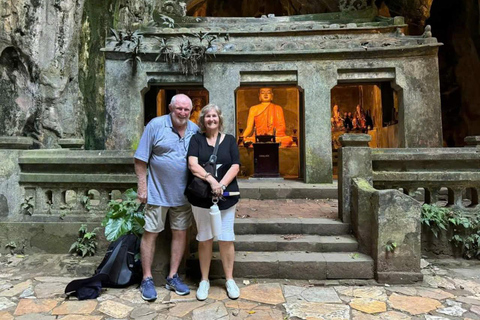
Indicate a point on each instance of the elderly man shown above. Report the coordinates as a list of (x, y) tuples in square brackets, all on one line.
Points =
[(163, 148)]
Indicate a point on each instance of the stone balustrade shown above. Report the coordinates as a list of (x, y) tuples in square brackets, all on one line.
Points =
[(74, 185), (381, 192)]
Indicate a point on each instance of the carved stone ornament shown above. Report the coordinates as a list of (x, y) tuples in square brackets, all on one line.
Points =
[(176, 8)]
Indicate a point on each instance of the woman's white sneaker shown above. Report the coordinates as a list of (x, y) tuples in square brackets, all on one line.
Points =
[(232, 289), (202, 292)]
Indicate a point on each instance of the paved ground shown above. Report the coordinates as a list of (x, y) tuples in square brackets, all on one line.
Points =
[(288, 208), (31, 287)]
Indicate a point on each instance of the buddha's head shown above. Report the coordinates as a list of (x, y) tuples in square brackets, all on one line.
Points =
[(197, 104), (265, 95)]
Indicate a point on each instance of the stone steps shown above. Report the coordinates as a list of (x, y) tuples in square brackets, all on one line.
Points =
[(291, 248), (307, 243), (292, 265), (312, 226)]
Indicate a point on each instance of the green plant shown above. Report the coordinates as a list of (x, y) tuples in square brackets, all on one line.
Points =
[(86, 244), (390, 246), (435, 217), (86, 202), (27, 206), (191, 57), (466, 233), (123, 217), (465, 228)]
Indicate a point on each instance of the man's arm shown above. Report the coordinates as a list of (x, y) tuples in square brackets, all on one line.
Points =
[(141, 172)]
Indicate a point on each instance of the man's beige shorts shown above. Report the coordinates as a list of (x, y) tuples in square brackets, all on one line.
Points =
[(155, 216)]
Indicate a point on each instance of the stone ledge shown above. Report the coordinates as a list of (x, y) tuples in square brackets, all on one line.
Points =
[(399, 277), (71, 143), (22, 143)]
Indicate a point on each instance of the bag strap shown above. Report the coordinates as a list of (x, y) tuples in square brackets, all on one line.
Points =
[(213, 157)]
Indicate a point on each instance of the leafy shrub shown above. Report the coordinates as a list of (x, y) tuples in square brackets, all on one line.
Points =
[(123, 217), (86, 244), (465, 227)]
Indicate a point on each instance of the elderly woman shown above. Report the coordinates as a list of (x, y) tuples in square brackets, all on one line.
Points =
[(228, 164)]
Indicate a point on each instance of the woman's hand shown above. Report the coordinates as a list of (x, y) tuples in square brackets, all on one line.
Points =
[(215, 185)]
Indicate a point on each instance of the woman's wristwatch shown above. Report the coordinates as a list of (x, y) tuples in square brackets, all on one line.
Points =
[(224, 187)]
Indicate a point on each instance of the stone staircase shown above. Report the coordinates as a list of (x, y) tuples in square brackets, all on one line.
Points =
[(292, 248)]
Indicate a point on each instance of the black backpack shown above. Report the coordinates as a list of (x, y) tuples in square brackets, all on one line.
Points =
[(120, 263), (119, 268)]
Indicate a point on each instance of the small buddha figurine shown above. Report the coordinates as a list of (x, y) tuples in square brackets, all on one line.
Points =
[(197, 107), (336, 120), (267, 118), (359, 119)]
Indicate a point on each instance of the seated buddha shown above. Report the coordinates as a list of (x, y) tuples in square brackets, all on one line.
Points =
[(267, 118)]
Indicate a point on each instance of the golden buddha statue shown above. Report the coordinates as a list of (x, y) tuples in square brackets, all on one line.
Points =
[(267, 118), (197, 107)]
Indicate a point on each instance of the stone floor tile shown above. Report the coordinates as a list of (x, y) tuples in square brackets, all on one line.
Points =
[(269, 293), (475, 309), (104, 297), (184, 308), (368, 305), (289, 291), (64, 280), (36, 317), (393, 315), (438, 282), (16, 289), (189, 297), (142, 311), (217, 293), (150, 316), (5, 303), (115, 309), (357, 315), (430, 317), (316, 310), (81, 317), (26, 306), (467, 285), (376, 293), (75, 307), (437, 294), (271, 314), (454, 309), (239, 304), (413, 304), (211, 311), (324, 295), (469, 300), (49, 290), (28, 293), (408, 291), (4, 315)]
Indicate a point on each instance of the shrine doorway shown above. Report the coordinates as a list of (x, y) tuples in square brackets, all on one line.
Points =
[(370, 108), (286, 125), (157, 99)]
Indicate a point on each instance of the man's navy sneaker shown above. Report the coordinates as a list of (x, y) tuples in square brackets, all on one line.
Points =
[(147, 288), (177, 285)]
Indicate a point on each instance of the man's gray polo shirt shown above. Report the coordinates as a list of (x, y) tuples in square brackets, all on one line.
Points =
[(166, 154)]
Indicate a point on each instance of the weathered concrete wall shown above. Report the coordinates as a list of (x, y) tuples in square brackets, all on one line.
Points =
[(384, 217)]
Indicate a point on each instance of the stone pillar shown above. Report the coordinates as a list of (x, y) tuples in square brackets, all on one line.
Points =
[(317, 83), (354, 161), (222, 93)]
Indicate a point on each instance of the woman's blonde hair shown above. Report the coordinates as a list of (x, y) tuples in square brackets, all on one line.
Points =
[(209, 107)]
